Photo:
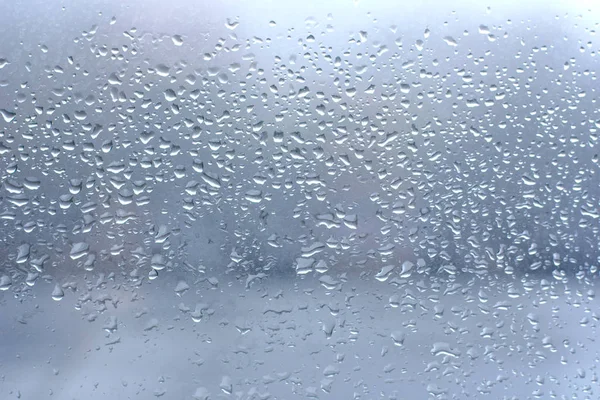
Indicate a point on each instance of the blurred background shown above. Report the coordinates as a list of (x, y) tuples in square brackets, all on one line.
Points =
[(277, 200)]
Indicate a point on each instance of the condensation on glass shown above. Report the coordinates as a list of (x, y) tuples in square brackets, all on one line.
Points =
[(329, 200)]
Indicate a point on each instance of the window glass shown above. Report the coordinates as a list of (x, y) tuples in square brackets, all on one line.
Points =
[(299, 199)]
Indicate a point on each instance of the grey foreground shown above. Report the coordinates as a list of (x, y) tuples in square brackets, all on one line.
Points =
[(300, 338)]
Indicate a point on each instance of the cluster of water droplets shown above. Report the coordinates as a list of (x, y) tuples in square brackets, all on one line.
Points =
[(445, 176)]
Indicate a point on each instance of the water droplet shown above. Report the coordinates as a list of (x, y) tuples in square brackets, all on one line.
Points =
[(79, 250), (384, 273), (111, 324), (406, 270), (158, 262), (398, 337), (23, 253), (31, 278), (304, 265), (253, 196), (7, 115), (528, 180), (5, 282), (57, 293), (201, 393), (231, 24), (450, 41), (162, 70), (170, 95), (31, 183), (444, 349), (226, 385), (177, 40), (181, 288)]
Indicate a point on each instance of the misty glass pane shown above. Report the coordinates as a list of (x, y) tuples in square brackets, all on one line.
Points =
[(299, 199)]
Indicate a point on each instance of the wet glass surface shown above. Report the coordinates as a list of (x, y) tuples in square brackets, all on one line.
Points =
[(292, 200)]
